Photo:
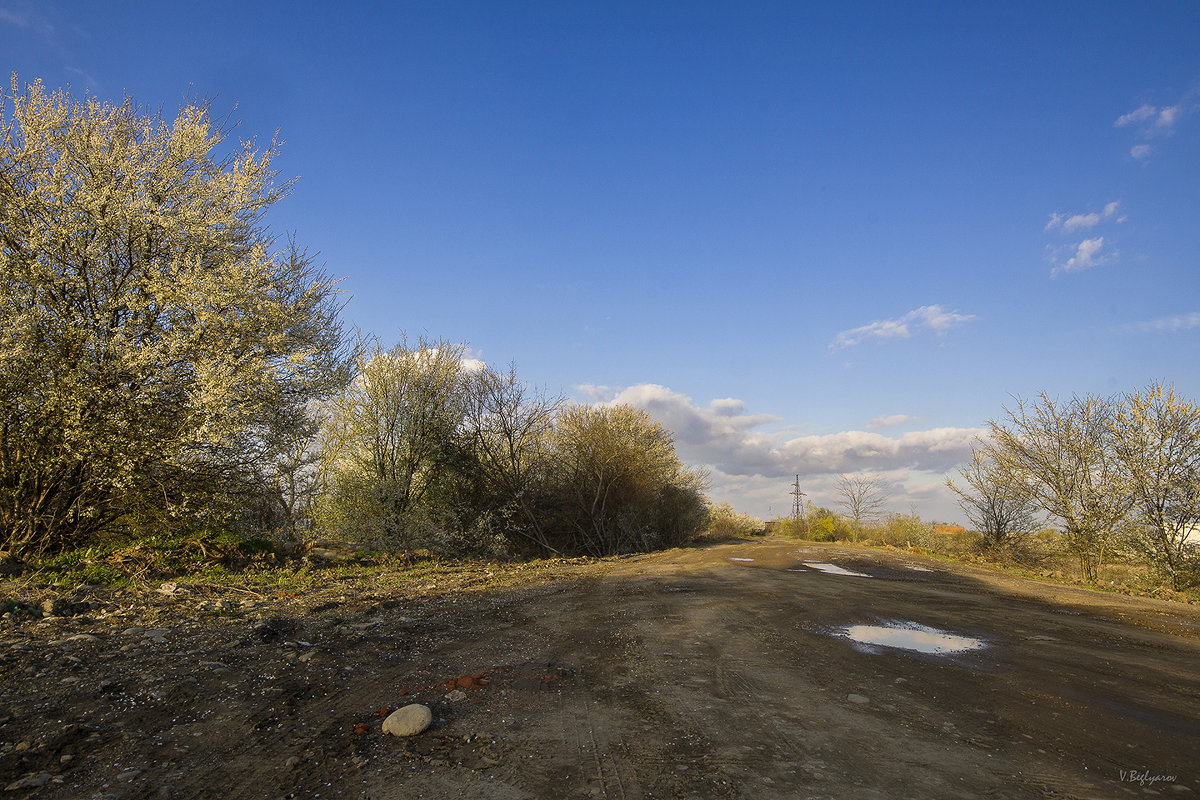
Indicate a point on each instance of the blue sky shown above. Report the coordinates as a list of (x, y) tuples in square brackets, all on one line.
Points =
[(813, 239)]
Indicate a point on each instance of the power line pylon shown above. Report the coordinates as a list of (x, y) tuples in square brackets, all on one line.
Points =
[(797, 503)]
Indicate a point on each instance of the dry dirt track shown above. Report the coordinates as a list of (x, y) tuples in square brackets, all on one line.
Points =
[(692, 673)]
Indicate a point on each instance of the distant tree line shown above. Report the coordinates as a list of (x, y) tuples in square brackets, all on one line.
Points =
[(167, 365)]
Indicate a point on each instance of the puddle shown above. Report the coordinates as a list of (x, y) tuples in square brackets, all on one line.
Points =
[(741, 559), (910, 636), (919, 569), (834, 569)]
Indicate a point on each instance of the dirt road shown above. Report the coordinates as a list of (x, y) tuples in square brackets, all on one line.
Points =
[(728, 671)]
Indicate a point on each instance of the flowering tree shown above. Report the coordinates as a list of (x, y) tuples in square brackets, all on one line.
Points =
[(154, 345)]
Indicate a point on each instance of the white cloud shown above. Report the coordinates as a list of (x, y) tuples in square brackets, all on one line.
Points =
[(720, 433), (1152, 121), (1167, 118), (1087, 255), (1139, 114), (1075, 222), (594, 393), (890, 421), (1180, 322), (727, 406), (934, 318), (1158, 120), (938, 449)]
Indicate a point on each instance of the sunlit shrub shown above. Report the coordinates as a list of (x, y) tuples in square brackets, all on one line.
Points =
[(724, 521)]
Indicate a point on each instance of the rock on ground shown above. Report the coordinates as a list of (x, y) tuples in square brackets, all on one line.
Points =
[(408, 721)]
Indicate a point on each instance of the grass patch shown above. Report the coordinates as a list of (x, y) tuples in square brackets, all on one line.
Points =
[(211, 554)]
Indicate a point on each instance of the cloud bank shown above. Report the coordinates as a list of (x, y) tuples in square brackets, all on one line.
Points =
[(723, 436), (753, 468)]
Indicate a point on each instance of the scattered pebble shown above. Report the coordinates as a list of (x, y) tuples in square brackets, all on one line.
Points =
[(857, 698)]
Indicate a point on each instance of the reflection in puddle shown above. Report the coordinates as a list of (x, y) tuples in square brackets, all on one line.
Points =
[(910, 636), (741, 559), (834, 569)]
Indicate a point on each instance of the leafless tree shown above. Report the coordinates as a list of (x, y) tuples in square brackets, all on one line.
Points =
[(509, 425), (863, 495), (998, 507)]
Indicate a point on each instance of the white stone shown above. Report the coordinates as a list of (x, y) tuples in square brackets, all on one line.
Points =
[(408, 721)]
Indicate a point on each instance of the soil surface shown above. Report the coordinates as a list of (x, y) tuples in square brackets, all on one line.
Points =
[(726, 671)]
